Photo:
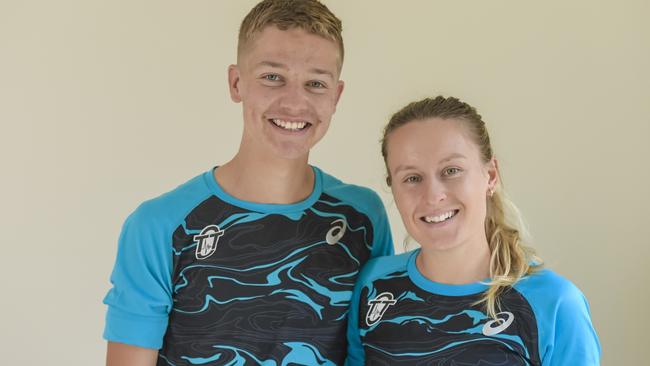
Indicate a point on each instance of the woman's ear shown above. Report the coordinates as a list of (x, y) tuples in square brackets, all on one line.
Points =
[(493, 175)]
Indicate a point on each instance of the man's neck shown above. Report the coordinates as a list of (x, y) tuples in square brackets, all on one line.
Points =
[(264, 179)]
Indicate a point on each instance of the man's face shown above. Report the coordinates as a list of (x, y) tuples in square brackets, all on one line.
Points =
[(288, 84)]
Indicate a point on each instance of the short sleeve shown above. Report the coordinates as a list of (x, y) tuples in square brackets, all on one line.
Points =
[(140, 300), (575, 341), (383, 240), (356, 356)]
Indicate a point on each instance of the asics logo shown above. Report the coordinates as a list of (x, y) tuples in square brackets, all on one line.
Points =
[(336, 232), (499, 324)]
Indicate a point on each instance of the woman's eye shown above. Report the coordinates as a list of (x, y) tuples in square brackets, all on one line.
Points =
[(450, 171)]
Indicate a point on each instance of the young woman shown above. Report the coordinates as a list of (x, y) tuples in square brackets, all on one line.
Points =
[(473, 294)]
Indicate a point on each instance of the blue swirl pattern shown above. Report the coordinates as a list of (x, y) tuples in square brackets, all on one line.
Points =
[(273, 293), (423, 328)]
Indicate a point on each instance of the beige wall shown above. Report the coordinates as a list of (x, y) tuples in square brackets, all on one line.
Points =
[(106, 103)]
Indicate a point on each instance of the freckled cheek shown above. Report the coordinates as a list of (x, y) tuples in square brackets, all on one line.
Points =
[(324, 108), (266, 97), (266, 93), (259, 93)]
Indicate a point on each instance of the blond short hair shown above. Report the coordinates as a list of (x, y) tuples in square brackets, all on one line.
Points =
[(310, 15)]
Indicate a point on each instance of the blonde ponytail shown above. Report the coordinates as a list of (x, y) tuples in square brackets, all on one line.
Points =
[(510, 258)]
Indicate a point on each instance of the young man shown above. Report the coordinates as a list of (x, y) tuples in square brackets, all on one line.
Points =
[(253, 262)]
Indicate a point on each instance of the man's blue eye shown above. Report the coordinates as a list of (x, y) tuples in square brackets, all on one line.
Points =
[(412, 179), (316, 84), (272, 77)]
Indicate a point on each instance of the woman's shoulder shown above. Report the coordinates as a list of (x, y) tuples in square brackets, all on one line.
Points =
[(548, 289), (563, 318)]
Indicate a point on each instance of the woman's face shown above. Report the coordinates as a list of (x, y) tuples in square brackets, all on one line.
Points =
[(440, 183)]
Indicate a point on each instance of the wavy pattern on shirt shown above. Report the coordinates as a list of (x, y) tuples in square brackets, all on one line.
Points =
[(273, 287), (423, 328)]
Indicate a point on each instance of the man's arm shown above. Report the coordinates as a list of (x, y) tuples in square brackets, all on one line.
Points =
[(383, 243), (120, 354), (140, 300)]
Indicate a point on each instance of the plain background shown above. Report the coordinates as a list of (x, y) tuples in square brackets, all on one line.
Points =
[(104, 104)]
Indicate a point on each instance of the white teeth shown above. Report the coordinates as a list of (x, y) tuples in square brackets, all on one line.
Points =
[(288, 125), (439, 218)]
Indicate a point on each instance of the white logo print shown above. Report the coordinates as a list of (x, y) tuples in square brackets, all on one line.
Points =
[(207, 241), (378, 307), (336, 232), (501, 324)]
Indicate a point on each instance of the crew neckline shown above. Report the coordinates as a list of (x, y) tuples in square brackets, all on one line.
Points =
[(442, 288), (218, 191)]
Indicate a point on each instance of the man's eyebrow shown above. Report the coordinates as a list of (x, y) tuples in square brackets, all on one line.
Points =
[(322, 72), (279, 65), (272, 64)]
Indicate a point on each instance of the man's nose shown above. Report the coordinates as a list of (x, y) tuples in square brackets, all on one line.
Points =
[(294, 99)]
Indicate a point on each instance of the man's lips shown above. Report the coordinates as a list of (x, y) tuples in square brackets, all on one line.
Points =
[(292, 125)]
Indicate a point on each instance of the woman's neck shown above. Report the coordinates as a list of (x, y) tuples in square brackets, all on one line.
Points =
[(461, 265)]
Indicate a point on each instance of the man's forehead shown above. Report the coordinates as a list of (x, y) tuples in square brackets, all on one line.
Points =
[(279, 48)]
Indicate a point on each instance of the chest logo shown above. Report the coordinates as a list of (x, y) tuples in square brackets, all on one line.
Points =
[(498, 325), (378, 307), (206, 241), (336, 232)]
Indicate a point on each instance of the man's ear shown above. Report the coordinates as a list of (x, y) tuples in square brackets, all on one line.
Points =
[(233, 83)]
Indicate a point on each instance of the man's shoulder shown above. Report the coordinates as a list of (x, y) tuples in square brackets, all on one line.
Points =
[(358, 196), (173, 205), (385, 267)]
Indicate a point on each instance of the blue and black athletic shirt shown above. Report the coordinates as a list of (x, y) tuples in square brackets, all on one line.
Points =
[(399, 317), (212, 280)]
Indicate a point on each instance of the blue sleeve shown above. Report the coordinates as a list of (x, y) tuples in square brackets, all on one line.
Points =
[(575, 341), (566, 334), (372, 270), (140, 300), (356, 355), (366, 201), (383, 240)]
